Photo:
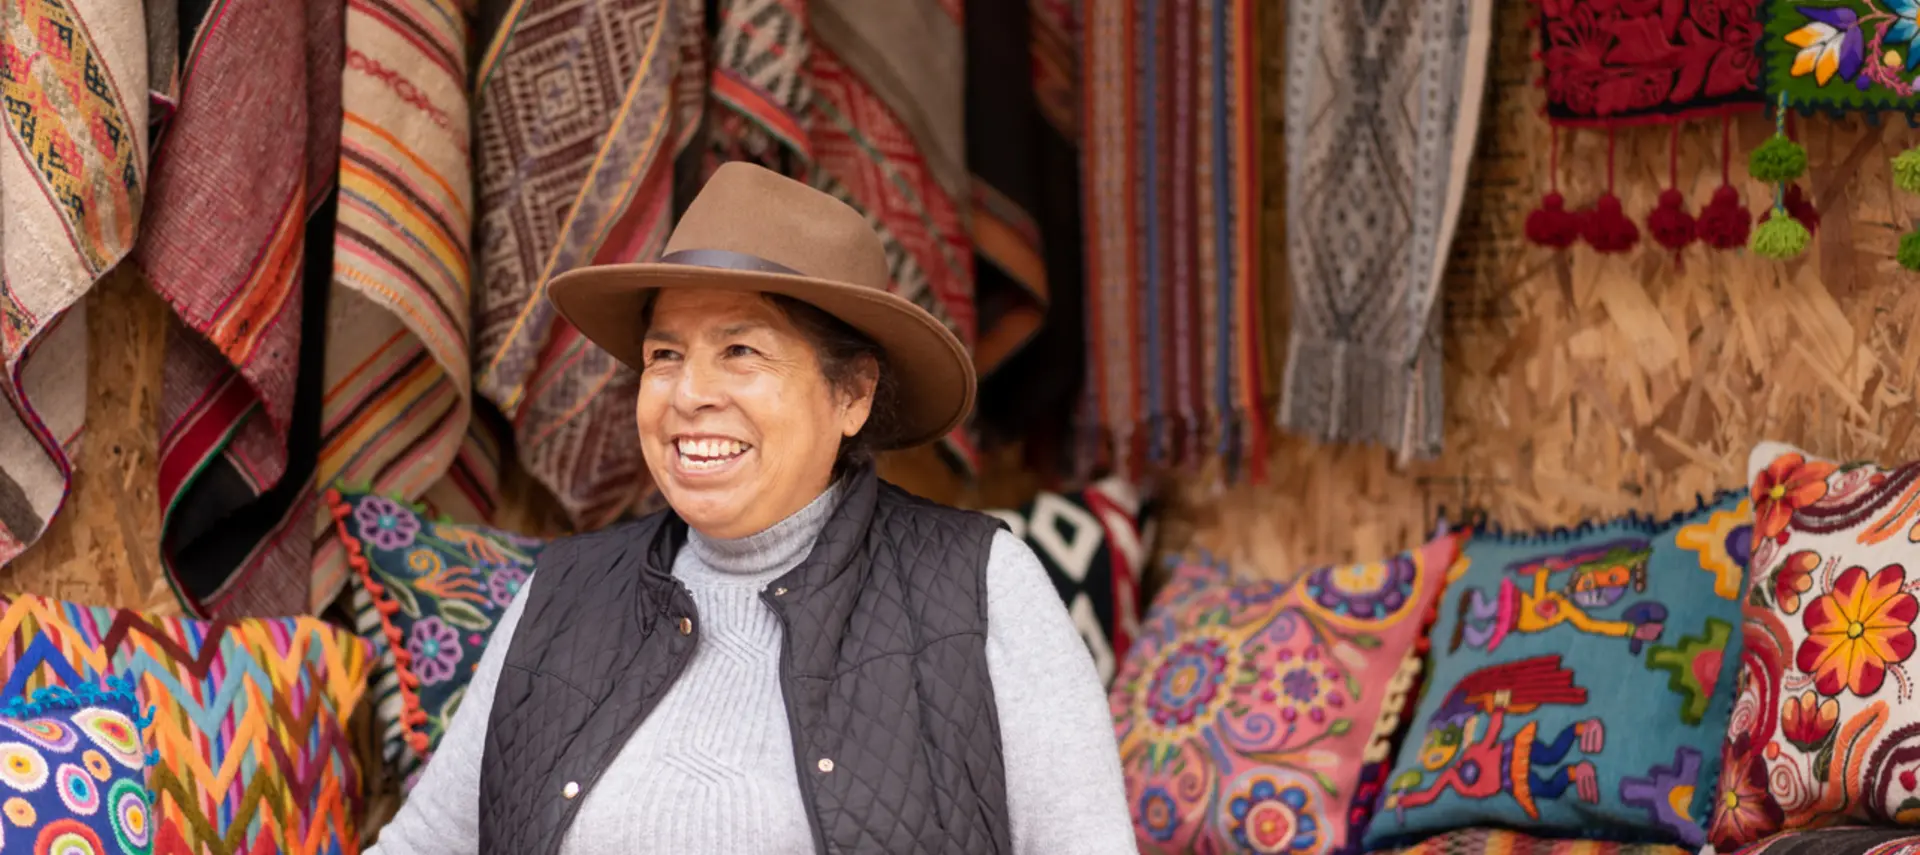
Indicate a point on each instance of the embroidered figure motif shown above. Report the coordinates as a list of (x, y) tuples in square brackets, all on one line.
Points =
[(1597, 578), (1466, 749)]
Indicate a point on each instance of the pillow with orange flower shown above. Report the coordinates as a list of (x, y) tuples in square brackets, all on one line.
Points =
[(1826, 726)]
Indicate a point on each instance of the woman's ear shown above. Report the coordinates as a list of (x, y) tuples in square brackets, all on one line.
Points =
[(859, 403)]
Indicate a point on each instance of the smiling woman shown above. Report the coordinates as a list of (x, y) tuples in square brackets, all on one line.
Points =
[(794, 657)]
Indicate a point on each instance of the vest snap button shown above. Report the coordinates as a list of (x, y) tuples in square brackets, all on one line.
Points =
[(571, 790), (826, 764), (779, 592), (686, 626)]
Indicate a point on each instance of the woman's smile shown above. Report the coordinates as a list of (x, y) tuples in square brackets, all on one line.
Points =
[(708, 458)]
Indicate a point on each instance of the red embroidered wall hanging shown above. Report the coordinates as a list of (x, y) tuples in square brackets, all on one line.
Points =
[(1615, 63)]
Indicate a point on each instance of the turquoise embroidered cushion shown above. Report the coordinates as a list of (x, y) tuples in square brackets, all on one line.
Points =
[(1573, 684), (427, 595), (73, 772)]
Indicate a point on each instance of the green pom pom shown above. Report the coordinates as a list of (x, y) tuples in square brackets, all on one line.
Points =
[(1909, 254), (1781, 236), (1906, 170), (1777, 160)]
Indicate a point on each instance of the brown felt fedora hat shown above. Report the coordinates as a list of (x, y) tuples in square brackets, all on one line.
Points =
[(752, 229)]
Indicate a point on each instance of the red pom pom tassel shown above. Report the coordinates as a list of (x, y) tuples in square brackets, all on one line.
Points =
[(1552, 224), (1608, 228), (1724, 223), (1670, 223)]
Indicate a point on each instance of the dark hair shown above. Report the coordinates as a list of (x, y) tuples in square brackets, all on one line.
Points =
[(840, 349)]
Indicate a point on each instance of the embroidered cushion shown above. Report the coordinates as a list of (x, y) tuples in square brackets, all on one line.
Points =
[(73, 772), (1630, 63), (249, 717), (426, 594), (1094, 550), (1825, 726), (1497, 841), (1248, 712), (1572, 691)]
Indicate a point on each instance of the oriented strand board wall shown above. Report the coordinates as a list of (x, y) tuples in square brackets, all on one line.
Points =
[(1582, 385)]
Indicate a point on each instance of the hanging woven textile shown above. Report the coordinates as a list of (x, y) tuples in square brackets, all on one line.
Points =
[(397, 404), (578, 118), (72, 185), (1023, 121), (1379, 136), (238, 238), (1172, 208), (1610, 65), (863, 101)]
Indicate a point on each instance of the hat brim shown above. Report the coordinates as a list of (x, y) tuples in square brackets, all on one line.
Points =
[(932, 371)]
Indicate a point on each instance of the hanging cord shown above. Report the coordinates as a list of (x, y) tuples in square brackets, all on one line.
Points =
[(1608, 228), (1551, 224), (1779, 161), (1671, 225), (1724, 223)]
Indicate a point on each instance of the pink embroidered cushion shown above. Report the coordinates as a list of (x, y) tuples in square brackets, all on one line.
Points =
[(1259, 716), (1825, 727)]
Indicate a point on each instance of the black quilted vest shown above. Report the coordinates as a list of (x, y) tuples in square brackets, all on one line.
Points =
[(884, 673)]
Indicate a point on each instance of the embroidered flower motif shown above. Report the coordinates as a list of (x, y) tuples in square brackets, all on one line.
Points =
[(1806, 720), (385, 524), (1744, 812), (1305, 686), (1906, 28), (1370, 591), (1271, 818), (1793, 578), (1830, 44), (97, 764), (20, 812), (1858, 630), (506, 584), (21, 767), (1789, 483), (1159, 817), (436, 650), (1181, 693)]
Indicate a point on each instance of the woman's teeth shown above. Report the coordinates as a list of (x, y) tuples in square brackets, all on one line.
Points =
[(708, 453)]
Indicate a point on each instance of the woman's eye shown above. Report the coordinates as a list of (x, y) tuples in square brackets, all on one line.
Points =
[(741, 350), (661, 355)]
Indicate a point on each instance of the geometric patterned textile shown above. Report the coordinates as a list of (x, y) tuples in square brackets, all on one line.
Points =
[(1578, 683), (249, 717), (427, 595), (73, 770), (1094, 549), (73, 74), (577, 121), (1826, 728), (1248, 712), (1838, 841), (1174, 329), (398, 367), (1383, 103), (1493, 841)]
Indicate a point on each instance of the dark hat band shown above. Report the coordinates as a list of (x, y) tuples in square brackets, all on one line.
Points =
[(727, 260)]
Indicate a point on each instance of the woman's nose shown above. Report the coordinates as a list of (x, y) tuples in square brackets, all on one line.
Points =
[(698, 387)]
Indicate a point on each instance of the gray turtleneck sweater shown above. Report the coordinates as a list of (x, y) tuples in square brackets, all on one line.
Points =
[(711, 770)]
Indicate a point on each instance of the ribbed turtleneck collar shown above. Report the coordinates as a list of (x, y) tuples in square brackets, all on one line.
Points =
[(777, 549)]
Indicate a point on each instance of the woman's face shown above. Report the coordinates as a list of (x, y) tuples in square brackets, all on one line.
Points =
[(738, 422)]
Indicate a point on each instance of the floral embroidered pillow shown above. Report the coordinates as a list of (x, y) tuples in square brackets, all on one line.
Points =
[(73, 772), (1574, 684), (1826, 729), (427, 594), (1248, 712)]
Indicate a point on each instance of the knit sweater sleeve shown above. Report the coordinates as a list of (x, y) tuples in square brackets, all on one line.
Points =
[(441, 815), (1064, 788)]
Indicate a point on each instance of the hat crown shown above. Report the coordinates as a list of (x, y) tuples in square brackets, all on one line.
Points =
[(748, 209)]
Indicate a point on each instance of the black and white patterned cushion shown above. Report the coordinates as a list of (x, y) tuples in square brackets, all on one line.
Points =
[(1094, 547)]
